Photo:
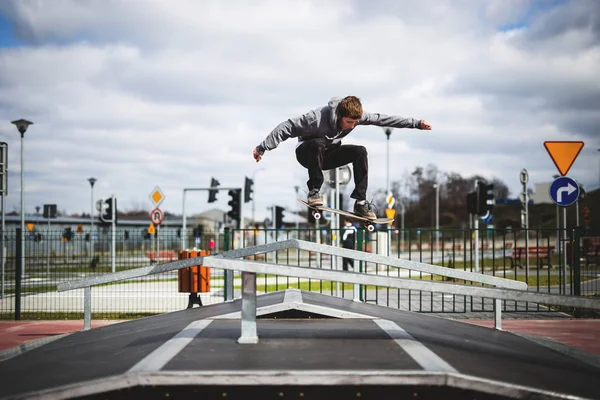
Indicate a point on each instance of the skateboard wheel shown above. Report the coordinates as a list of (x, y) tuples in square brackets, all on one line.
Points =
[(317, 215), (370, 228)]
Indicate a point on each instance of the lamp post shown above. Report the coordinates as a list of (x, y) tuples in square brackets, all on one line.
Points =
[(297, 188), (92, 181), (388, 132), (22, 125)]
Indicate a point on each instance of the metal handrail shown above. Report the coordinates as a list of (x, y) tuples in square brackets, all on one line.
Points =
[(509, 289)]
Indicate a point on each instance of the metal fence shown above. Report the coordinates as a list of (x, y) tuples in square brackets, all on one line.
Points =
[(28, 285)]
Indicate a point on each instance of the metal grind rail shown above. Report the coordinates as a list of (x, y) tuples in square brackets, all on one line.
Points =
[(504, 289)]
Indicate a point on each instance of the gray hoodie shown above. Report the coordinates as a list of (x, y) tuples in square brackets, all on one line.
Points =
[(322, 123)]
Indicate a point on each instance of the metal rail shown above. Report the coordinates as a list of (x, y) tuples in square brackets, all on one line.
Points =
[(504, 289)]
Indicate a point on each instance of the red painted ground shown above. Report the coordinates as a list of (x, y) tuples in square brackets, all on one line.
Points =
[(582, 334), (14, 333)]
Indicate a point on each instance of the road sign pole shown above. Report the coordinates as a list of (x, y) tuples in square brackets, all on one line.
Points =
[(476, 228), (564, 250)]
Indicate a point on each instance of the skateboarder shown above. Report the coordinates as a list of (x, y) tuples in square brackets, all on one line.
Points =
[(320, 132)]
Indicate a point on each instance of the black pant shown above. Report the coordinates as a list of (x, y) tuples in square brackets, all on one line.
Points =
[(316, 156), (348, 262)]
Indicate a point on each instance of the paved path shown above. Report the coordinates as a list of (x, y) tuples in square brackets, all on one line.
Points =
[(375, 340)]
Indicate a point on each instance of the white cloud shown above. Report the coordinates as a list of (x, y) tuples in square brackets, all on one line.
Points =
[(174, 93)]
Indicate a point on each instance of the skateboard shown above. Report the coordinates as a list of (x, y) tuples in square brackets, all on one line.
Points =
[(368, 222)]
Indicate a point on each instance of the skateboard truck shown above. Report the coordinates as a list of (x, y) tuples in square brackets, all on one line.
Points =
[(368, 223)]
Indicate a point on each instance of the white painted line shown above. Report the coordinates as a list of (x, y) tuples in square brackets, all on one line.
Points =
[(280, 307), (165, 353), (426, 358)]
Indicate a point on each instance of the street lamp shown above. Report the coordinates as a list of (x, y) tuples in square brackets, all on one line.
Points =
[(92, 181), (22, 125)]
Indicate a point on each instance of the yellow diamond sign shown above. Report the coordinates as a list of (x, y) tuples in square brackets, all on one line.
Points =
[(157, 196)]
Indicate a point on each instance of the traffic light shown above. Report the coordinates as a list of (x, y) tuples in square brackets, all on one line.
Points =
[(472, 203), (485, 198), (109, 210), (236, 205), (279, 217), (126, 235), (248, 189), (212, 194), (198, 230)]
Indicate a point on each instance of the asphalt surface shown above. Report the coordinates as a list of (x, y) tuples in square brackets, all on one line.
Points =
[(192, 342)]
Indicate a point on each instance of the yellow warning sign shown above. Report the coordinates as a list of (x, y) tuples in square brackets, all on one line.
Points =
[(157, 196), (151, 229), (390, 212), (563, 154), (79, 228), (30, 226)]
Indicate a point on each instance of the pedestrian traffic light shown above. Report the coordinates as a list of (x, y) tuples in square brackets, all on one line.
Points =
[(236, 206), (248, 189), (279, 217), (212, 194), (485, 198)]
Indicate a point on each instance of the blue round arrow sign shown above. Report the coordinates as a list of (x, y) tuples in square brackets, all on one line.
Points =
[(564, 191)]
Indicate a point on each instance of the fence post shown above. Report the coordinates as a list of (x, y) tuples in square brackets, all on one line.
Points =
[(87, 308), (227, 274), (575, 249), (18, 271)]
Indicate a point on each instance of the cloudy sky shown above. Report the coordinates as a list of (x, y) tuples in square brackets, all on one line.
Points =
[(140, 94)]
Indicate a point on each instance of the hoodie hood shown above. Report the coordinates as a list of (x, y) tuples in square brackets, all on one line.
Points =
[(333, 103)]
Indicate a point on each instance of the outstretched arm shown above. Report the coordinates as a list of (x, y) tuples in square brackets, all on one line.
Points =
[(291, 128), (393, 121)]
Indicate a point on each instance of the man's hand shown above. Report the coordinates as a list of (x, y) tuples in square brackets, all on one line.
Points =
[(426, 126), (257, 155)]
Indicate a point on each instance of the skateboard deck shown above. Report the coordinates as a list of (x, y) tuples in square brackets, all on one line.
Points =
[(368, 221)]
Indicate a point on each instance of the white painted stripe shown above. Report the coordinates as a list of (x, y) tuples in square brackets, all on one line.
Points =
[(280, 307), (165, 353), (417, 350)]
